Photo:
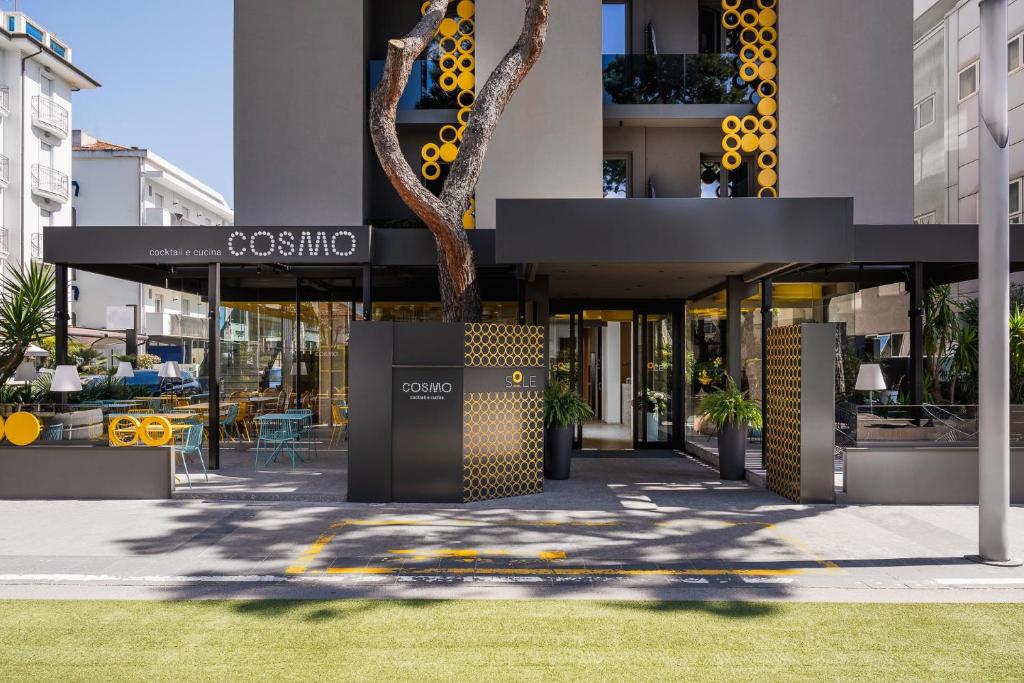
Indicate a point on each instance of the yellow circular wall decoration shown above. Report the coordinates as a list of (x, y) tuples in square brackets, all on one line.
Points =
[(767, 106), (768, 35), (749, 124), (768, 124), (466, 9), (467, 81), (155, 431), (731, 142), (449, 27), (767, 17), (768, 143), (430, 152), (466, 44), (448, 45), (767, 53), (748, 18), (449, 152), (467, 62), (22, 429), (767, 178), (767, 89), (460, 132), (768, 160), (1, 428), (748, 72), (466, 98), (749, 36), (424, 7), (123, 431), (463, 116), (731, 19), (448, 62), (730, 4), (767, 71), (431, 170), (749, 53), (448, 81), (449, 133), (468, 221), (731, 161), (730, 124), (766, 4), (749, 142), (467, 27), (768, 193)]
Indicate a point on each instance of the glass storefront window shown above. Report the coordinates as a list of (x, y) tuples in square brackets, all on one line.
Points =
[(704, 361)]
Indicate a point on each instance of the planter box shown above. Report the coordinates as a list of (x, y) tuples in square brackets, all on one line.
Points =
[(85, 472)]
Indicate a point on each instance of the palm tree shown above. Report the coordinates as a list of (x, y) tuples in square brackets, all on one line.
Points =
[(964, 362), (941, 327), (27, 309), (1017, 355)]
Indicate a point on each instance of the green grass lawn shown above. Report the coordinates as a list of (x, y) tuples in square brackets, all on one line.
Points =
[(508, 640)]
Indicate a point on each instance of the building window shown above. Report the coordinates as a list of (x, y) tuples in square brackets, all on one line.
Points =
[(616, 177), (1015, 188), (615, 27), (1015, 51), (924, 112), (710, 179), (159, 200), (186, 307), (34, 31), (968, 79), (925, 218)]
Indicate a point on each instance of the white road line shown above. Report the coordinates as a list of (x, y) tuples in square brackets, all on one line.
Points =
[(981, 582), (766, 579)]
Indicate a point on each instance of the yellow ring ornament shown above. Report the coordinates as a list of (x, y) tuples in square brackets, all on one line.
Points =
[(449, 61), (748, 18), (767, 178), (749, 53), (467, 27), (767, 53), (768, 143), (466, 99), (730, 4), (749, 142), (749, 124), (162, 428), (123, 431), (466, 9), (467, 81), (424, 7), (768, 160), (768, 192), (449, 152), (459, 133), (448, 81), (768, 35), (767, 89), (466, 44), (22, 429), (431, 170), (430, 152), (767, 106), (731, 161), (731, 142), (448, 45), (468, 221), (730, 124), (749, 36), (768, 124), (748, 72), (766, 4), (449, 27), (463, 116), (731, 19), (767, 17), (467, 62), (767, 71), (1, 428), (449, 133)]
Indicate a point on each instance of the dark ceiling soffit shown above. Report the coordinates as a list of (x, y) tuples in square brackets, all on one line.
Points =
[(925, 243), (416, 247), (674, 230)]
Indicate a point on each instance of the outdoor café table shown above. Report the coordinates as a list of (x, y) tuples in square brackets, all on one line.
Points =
[(298, 418)]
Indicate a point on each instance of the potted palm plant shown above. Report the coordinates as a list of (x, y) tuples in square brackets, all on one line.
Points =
[(563, 410), (733, 414)]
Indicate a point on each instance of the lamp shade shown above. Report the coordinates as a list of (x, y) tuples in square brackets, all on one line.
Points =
[(65, 378), (170, 370), (26, 372), (34, 351), (124, 370), (870, 378)]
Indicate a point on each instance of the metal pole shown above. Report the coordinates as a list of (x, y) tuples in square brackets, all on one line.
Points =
[(213, 363), (916, 313), (767, 302), (60, 345), (994, 292), (297, 356), (367, 291)]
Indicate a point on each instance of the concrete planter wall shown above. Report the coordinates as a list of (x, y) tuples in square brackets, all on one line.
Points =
[(926, 474), (85, 472)]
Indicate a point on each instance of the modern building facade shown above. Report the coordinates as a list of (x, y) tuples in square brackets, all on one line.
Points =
[(130, 186), (37, 79)]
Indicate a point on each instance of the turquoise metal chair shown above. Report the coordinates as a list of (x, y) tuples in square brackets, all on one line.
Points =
[(307, 431), (282, 434), (192, 444), (229, 420), (54, 432)]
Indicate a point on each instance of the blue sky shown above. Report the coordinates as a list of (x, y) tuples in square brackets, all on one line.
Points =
[(166, 70)]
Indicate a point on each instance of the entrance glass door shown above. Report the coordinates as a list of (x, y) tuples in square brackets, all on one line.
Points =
[(653, 424)]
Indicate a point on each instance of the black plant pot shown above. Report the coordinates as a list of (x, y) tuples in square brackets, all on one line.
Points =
[(732, 453), (558, 452)]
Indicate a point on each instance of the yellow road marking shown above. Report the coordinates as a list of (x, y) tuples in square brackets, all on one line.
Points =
[(310, 554)]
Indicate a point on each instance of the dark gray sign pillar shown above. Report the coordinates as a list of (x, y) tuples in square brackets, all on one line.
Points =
[(62, 317), (213, 364)]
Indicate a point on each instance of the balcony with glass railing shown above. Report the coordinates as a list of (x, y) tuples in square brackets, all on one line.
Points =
[(50, 116), (424, 90), (674, 79), (49, 183)]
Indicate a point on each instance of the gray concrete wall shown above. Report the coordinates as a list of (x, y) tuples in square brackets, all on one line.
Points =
[(85, 472), (671, 156), (300, 110), (921, 475), (548, 144), (845, 99)]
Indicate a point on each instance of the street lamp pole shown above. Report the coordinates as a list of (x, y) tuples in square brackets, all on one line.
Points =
[(994, 295)]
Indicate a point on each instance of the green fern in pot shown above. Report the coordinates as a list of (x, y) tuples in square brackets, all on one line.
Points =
[(563, 411), (732, 412)]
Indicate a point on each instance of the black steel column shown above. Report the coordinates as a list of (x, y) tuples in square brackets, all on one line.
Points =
[(213, 364), (767, 301), (916, 314), (734, 329), (678, 374), (61, 314), (297, 355), (521, 299), (367, 291)]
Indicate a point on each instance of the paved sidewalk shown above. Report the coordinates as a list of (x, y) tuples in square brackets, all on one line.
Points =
[(622, 528)]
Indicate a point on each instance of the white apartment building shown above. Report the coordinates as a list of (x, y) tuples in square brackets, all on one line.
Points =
[(37, 79), (128, 186)]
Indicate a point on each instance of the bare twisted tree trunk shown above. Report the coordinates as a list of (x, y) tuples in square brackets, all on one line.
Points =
[(460, 290)]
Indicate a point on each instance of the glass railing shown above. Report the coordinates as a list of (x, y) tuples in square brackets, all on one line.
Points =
[(895, 423), (673, 79), (424, 90)]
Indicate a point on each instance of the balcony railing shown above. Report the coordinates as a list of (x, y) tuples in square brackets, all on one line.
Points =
[(50, 183), (36, 246), (4, 241), (424, 90), (5, 170), (5, 101), (674, 79), (176, 325), (50, 116)]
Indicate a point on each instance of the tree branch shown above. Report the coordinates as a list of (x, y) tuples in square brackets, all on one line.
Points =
[(490, 103), (402, 54)]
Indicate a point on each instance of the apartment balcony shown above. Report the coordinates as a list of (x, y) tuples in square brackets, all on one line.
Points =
[(424, 100), (5, 245), (176, 325), (5, 101), (49, 183), (674, 85), (51, 117), (5, 171)]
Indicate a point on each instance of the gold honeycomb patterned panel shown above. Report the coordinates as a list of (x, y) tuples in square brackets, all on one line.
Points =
[(782, 438), (496, 345), (502, 445)]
